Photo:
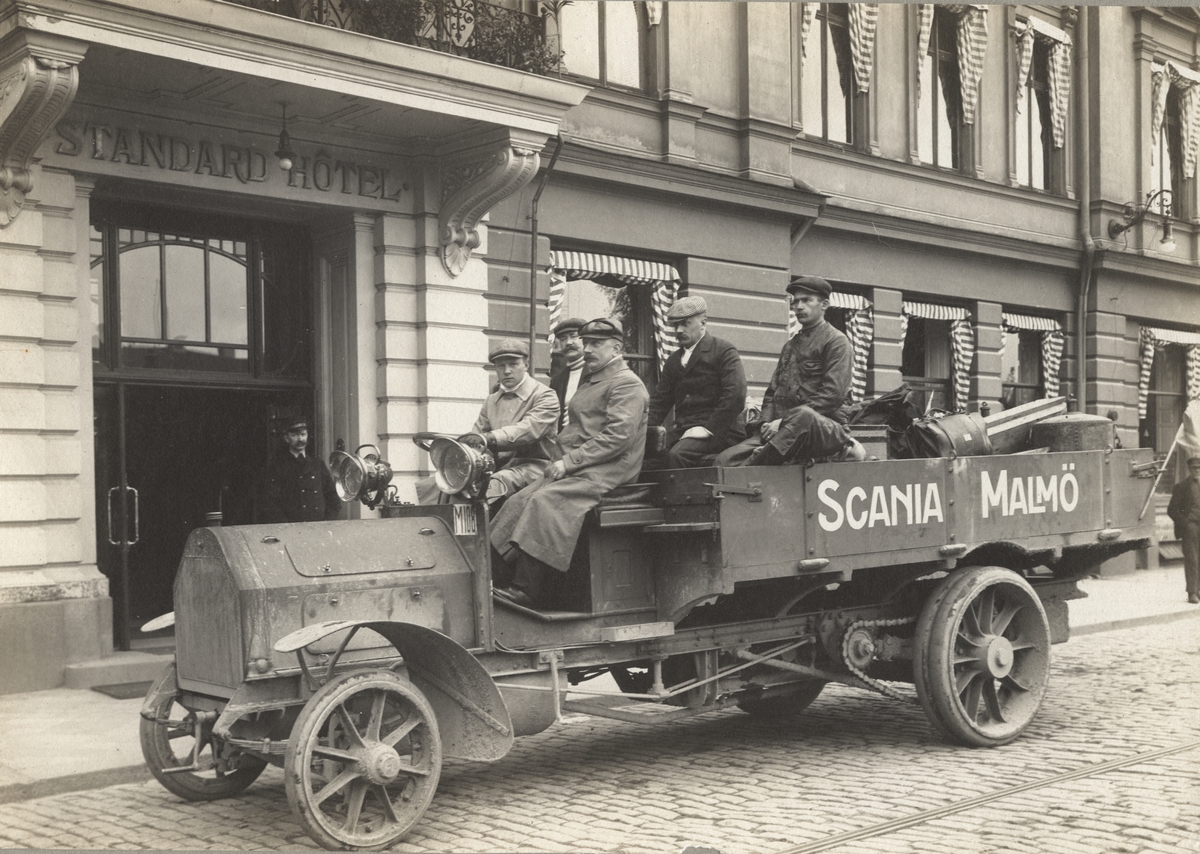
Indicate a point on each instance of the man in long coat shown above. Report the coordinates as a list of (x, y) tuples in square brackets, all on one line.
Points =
[(518, 422), (800, 419), (603, 446), (704, 382), (1184, 511), (298, 486)]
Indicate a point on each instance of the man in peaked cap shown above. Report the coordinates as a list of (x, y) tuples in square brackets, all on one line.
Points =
[(566, 369), (518, 422), (800, 421), (603, 444), (298, 487), (703, 381)]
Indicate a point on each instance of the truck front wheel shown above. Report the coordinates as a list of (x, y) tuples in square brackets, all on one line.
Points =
[(982, 656)]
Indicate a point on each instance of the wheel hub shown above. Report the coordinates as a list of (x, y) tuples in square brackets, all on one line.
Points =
[(860, 648), (379, 763), (998, 658)]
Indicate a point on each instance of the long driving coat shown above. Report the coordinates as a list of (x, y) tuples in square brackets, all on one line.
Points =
[(603, 446)]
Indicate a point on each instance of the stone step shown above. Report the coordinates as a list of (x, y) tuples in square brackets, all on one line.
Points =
[(118, 668)]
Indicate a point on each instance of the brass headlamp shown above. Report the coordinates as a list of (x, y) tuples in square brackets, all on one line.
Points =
[(360, 477)]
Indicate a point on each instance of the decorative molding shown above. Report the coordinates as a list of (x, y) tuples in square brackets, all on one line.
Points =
[(473, 185), (39, 76)]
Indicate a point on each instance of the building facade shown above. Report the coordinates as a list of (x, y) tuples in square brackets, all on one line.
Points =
[(991, 189)]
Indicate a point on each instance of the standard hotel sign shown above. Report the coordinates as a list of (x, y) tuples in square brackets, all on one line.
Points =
[(131, 151)]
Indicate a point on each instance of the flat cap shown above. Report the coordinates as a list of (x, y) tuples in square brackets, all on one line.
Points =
[(603, 327), (1194, 461), (687, 307), (810, 285), (571, 324), (298, 422), (508, 347)]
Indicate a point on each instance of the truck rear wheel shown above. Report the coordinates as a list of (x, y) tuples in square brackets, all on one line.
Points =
[(363, 761), (982, 656), (169, 742)]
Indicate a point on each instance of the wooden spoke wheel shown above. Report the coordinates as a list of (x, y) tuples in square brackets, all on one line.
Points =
[(363, 761), (170, 742), (982, 656), (785, 705)]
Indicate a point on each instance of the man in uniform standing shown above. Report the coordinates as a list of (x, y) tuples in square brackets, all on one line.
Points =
[(298, 487), (602, 445), (703, 381), (800, 408), (1184, 511)]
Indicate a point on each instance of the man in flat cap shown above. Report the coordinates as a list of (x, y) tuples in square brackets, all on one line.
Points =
[(703, 381), (602, 448), (565, 375), (518, 421), (1184, 511), (808, 388), (297, 486)]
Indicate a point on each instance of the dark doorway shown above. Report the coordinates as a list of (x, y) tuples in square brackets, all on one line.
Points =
[(185, 453)]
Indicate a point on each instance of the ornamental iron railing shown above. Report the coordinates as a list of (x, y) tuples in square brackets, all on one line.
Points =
[(498, 34)]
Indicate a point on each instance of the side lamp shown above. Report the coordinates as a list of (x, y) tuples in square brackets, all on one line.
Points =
[(1133, 215)]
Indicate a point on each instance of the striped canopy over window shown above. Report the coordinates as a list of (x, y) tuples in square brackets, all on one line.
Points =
[(617, 272), (1154, 339), (1058, 58), (1052, 344), (860, 329), (962, 341), (863, 20), (972, 43), (1163, 78)]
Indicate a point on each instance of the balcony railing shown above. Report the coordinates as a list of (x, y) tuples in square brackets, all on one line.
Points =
[(493, 33)]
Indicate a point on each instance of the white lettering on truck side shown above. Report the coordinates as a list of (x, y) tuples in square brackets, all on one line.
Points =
[(863, 511), (1029, 494)]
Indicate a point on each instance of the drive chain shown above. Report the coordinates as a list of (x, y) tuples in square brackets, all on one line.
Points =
[(874, 684)]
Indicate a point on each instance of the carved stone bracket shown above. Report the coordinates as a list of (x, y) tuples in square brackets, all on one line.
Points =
[(473, 185), (39, 75)]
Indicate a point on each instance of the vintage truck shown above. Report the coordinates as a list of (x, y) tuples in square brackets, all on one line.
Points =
[(358, 654)]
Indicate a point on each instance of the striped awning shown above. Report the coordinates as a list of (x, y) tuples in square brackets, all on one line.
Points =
[(972, 44), (1058, 70), (808, 13), (1162, 78), (863, 19), (962, 341), (616, 271), (1028, 321), (1152, 339)]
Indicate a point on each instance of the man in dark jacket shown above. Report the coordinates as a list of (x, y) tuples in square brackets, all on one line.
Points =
[(808, 388), (703, 381), (1184, 511), (298, 487), (566, 370)]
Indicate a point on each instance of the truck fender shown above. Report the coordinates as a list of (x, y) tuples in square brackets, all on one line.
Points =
[(472, 718)]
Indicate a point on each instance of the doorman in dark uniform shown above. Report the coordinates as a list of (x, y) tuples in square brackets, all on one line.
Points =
[(704, 382), (298, 487)]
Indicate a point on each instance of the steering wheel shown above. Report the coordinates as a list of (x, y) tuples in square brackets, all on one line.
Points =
[(471, 440), (424, 440)]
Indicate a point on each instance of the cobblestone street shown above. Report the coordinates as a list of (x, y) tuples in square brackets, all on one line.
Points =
[(857, 773)]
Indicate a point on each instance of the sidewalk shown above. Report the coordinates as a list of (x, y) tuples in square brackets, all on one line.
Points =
[(66, 739)]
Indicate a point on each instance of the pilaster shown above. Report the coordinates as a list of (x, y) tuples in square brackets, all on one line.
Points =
[(985, 377), (885, 375)]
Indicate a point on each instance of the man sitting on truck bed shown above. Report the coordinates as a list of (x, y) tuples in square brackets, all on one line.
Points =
[(703, 381), (602, 446), (800, 421)]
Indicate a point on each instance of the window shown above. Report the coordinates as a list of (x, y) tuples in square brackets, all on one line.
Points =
[(927, 361), (939, 111), (188, 296), (1167, 172), (632, 305), (1021, 368), (1167, 399), (827, 77), (602, 41), (1034, 142)]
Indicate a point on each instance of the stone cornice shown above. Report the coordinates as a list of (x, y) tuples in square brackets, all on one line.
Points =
[(245, 41), (688, 183), (39, 75)]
